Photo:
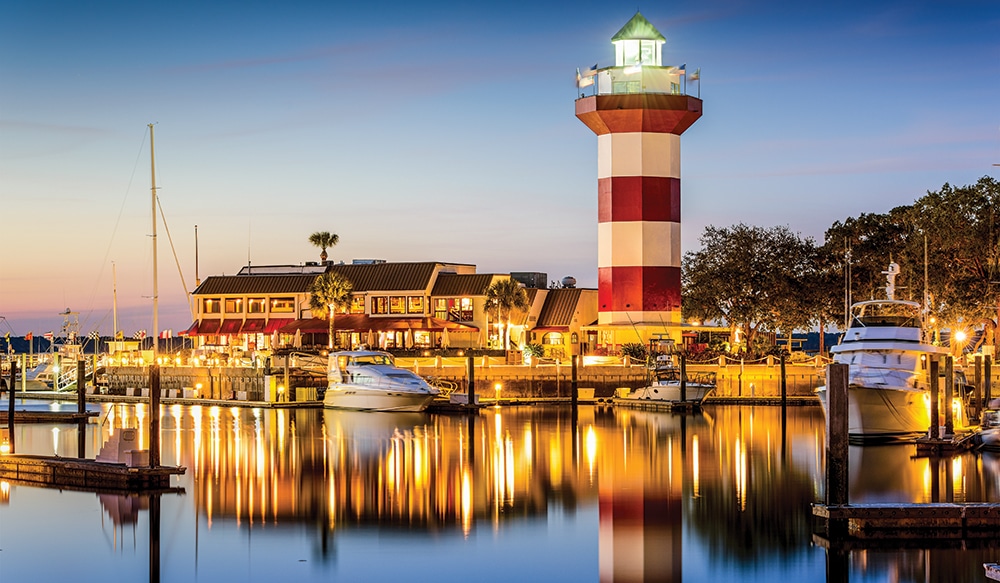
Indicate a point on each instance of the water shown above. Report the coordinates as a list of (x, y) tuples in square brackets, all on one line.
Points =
[(512, 494)]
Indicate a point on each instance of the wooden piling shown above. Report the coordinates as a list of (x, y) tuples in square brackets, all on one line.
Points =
[(10, 405), (572, 385), (784, 384), (683, 378), (470, 368), (977, 388), (836, 435), (933, 432), (81, 386), (987, 380), (949, 392), (154, 415)]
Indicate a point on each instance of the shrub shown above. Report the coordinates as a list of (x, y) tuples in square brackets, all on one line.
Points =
[(635, 351)]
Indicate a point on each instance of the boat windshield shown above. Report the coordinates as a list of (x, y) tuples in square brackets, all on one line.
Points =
[(899, 314), (369, 359)]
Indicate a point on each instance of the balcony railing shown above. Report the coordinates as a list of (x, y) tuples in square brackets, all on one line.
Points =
[(625, 80)]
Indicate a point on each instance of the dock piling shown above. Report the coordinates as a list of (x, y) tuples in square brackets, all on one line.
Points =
[(10, 405), (81, 386), (949, 392), (154, 415), (836, 435), (934, 431)]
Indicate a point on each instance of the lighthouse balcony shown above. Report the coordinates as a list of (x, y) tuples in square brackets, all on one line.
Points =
[(636, 79)]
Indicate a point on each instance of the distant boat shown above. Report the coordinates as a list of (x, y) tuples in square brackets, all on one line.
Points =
[(665, 384), (369, 380)]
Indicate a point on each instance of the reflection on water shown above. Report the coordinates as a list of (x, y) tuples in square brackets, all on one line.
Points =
[(615, 495)]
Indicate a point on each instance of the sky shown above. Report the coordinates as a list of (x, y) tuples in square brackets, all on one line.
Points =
[(443, 131)]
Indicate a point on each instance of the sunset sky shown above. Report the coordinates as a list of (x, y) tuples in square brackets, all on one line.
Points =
[(444, 132)]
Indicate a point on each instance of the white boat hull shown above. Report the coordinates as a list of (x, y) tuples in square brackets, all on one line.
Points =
[(887, 414), (362, 398), (670, 393)]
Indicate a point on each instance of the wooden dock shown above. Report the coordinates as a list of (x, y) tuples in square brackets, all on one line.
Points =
[(926, 521), (85, 474), (48, 416), (654, 405)]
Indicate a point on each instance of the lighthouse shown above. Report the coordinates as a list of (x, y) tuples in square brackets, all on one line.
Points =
[(638, 108)]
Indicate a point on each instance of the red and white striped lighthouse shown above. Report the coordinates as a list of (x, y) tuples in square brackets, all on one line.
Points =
[(638, 109)]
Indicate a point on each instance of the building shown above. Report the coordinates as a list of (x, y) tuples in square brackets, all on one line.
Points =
[(638, 108), (393, 305)]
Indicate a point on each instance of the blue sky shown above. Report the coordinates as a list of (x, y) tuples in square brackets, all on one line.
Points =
[(445, 132)]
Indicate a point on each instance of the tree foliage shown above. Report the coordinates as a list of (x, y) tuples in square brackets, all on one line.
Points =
[(503, 299), (755, 278), (329, 292), (324, 240)]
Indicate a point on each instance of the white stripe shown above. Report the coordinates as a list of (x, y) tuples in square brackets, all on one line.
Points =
[(639, 154), (639, 244)]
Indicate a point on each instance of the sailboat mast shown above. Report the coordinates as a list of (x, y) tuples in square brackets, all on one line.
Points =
[(152, 171), (114, 300)]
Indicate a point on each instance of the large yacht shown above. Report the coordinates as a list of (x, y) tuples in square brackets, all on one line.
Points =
[(888, 356), (370, 381)]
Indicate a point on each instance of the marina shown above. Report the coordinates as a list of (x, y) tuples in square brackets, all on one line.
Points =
[(312, 492)]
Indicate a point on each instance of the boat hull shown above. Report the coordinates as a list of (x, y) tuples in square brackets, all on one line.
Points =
[(670, 393), (360, 398), (882, 414)]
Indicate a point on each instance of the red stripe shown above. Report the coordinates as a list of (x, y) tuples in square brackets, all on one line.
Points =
[(639, 289), (638, 198)]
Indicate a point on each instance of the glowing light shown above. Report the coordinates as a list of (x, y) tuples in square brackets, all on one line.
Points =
[(5, 448), (960, 335)]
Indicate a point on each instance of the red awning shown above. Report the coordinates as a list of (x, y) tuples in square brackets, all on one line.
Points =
[(192, 331), (310, 326), (276, 323), (204, 328), (253, 326), (231, 327)]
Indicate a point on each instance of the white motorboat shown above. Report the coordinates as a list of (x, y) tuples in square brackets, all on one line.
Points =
[(888, 370), (665, 385), (369, 380)]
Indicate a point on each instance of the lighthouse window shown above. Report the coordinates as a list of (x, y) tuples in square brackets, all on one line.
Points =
[(647, 52)]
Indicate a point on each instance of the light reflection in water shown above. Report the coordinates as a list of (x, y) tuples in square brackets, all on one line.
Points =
[(657, 482)]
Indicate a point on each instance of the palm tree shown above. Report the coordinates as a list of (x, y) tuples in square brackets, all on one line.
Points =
[(324, 239), (329, 291), (503, 298)]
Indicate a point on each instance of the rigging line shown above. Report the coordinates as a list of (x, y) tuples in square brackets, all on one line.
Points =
[(170, 239), (114, 230)]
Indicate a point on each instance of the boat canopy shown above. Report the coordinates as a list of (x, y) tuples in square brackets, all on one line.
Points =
[(877, 313)]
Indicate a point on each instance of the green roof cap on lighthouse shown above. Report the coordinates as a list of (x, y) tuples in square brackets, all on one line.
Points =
[(638, 29)]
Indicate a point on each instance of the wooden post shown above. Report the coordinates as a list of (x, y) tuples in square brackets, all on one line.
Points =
[(154, 415), (81, 386), (471, 374), (949, 392), (977, 388), (933, 431), (684, 378), (572, 386), (836, 435), (784, 383), (987, 381), (10, 404)]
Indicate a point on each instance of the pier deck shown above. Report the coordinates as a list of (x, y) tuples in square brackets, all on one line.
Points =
[(84, 473), (923, 521)]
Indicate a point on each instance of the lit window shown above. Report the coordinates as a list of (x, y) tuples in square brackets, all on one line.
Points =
[(357, 304), (380, 305), (234, 305), (282, 305), (397, 304), (415, 305), (256, 305), (552, 338), (211, 306)]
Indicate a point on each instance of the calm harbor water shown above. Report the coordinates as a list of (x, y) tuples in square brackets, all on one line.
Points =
[(511, 494)]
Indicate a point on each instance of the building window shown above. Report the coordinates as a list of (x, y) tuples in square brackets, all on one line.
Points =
[(380, 305), (441, 308), (397, 304), (234, 305), (465, 309), (552, 338), (282, 305), (357, 304), (256, 305), (211, 306), (415, 305)]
